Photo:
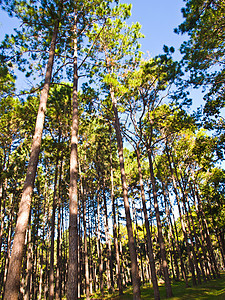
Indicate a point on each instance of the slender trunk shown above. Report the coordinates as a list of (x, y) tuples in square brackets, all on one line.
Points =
[(221, 246), (41, 271), (202, 241), (95, 245), (13, 279), (184, 200), (51, 271), (33, 287), (86, 267), (115, 237), (169, 292), (90, 248), (207, 237), (46, 239), (29, 263), (58, 286), (197, 241), (181, 219), (149, 237), (131, 242), (177, 244), (9, 239), (80, 253), (170, 237), (66, 256), (191, 240), (122, 272), (72, 285), (99, 248), (108, 243), (2, 209)]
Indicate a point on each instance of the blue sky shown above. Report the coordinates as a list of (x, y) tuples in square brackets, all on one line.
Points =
[(158, 19), (6, 24)]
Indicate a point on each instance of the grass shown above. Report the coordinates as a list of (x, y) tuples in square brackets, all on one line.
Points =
[(213, 289)]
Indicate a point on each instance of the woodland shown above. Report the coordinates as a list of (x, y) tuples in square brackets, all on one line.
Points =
[(118, 183)]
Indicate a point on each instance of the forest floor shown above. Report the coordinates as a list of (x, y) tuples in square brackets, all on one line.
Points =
[(213, 289)]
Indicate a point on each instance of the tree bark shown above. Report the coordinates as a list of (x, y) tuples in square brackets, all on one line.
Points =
[(115, 236), (149, 238), (13, 279), (9, 239), (178, 247), (72, 285), (2, 209), (108, 243), (131, 243), (204, 251), (207, 237), (169, 292), (51, 271), (58, 285), (86, 267), (99, 247), (170, 235), (181, 219), (29, 263)]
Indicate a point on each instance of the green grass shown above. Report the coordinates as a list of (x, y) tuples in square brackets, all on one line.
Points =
[(213, 289)]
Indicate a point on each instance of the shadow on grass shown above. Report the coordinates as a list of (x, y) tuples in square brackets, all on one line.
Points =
[(213, 289)]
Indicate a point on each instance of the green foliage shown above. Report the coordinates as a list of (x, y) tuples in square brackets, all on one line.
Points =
[(7, 82), (213, 191), (203, 53)]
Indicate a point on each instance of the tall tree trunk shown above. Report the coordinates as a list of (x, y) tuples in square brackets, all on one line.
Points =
[(184, 200), (115, 236), (9, 239), (197, 241), (34, 270), (221, 246), (108, 243), (192, 243), (170, 235), (41, 266), (2, 209), (13, 279), (149, 237), (46, 237), (204, 251), (90, 247), (29, 263), (51, 271), (86, 267), (131, 242), (80, 251), (72, 284), (169, 292), (207, 237), (99, 247), (58, 286), (177, 243), (181, 218)]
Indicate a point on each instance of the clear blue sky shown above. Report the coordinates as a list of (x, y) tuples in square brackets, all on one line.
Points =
[(158, 19)]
